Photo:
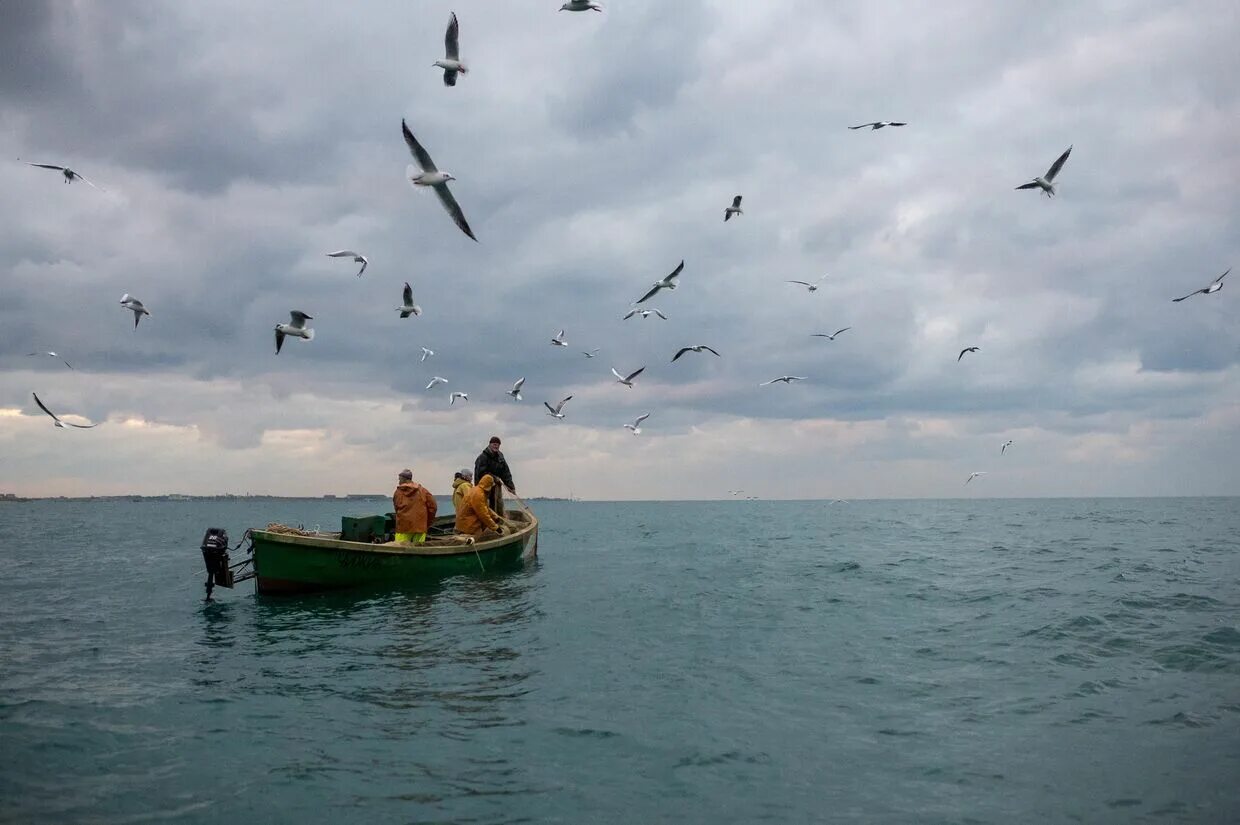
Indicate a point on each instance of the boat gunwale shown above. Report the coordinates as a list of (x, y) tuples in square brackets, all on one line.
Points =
[(325, 543)]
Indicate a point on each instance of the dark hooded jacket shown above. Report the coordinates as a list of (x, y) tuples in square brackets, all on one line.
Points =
[(494, 465)]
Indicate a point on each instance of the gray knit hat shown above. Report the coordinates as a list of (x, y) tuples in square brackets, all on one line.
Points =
[(406, 474)]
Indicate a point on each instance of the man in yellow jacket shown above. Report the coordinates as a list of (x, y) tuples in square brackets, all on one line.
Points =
[(415, 509), (475, 517), (462, 483)]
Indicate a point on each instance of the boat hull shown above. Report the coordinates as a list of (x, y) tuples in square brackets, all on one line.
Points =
[(305, 564)]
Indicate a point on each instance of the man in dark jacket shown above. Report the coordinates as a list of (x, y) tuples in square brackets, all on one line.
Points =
[(492, 461)]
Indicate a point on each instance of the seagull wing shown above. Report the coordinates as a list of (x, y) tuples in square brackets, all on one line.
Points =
[(633, 375), (630, 314), (1189, 295), (838, 331), (450, 40), (563, 401), (618, 375), (1057, 165), (517, 386), (893, 123), (862, 126), (680, 352), (710, 350), (36, 396), (84, 180), (408, 294), (802, 283), (654, 290), (342, 253), (279, 341), (46, 166), (297, 319), (657, 312), (640, 419), (1030, 185), (550, 408), (419, 154), (454, 209), (1220, 278), (675, 273), (365, 263)]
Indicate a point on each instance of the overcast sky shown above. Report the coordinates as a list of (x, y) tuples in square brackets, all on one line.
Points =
[(239, 142)]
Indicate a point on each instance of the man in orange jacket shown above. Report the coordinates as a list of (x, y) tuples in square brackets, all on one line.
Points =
[(475, 518), (415, 509)]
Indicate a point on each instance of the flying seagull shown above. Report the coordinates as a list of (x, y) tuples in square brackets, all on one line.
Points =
[(431, 176), (667, 283), (963, 351), (787, 379), (734, 209), (134, 306), (581, 5), (830, 337), (1206, 290), (636, 426), (694, 348), (515, 392), (436, 380), (591, 353), (1047, 181), (409, 307), (357, 257), (426, 353), (53, 355), (558, 340), (878, 124), (56, 419), (452, 396), (296, 327), (555, 412), (811, 287), (644, 313), (1003, 449), (973, 476), (627, 380), (451, 64), (70, 176)]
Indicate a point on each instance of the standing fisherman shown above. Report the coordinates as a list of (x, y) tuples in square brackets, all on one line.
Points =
[(492, 462), (415, 509)]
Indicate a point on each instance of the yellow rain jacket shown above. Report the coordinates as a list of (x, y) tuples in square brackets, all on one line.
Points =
[(475, 516), (459, 488)]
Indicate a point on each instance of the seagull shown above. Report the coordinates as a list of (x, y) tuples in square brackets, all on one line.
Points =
[(70, 176), (694, 348), (735, 492), (558, 340), (878, 124), (452, 396), (811, 287), (134, 306), (590, 354), (644, 313), (53, 355), (636, 426), (555, 412), (357, 257), (295, 327), (787, 379), (734, 209), (56, 419), (515, 392), (627, 380), (426, 353), (830, 337), (667, 283), (581, 5), (963, 351), (451, 64), (1003, 449), (436, 380), (1206, 290), (973, 476), (409, 308), (431, 176), (1046, 182)]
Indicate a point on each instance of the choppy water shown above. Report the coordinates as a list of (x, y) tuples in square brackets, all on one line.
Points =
[(966, 661)]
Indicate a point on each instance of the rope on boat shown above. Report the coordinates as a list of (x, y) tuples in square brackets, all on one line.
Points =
[(286, 530)]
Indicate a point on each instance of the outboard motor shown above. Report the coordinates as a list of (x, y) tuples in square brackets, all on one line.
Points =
[(215, 556)]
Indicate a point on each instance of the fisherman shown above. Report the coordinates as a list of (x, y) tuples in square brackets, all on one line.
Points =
[(415, 509), (492, 461), (462, 483), (475, 518)]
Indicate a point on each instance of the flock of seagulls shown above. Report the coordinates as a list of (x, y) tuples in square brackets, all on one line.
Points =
[(424, 174)]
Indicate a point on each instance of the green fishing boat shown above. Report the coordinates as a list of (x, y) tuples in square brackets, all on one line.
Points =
[(289, 560)]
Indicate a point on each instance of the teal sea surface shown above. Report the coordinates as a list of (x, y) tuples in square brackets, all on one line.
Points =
[(965, 661)]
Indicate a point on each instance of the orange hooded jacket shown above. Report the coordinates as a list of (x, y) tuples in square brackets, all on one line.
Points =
[(415, 507), (474, 515)]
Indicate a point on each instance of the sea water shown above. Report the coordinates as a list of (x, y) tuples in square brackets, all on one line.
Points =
[(743, 661)]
